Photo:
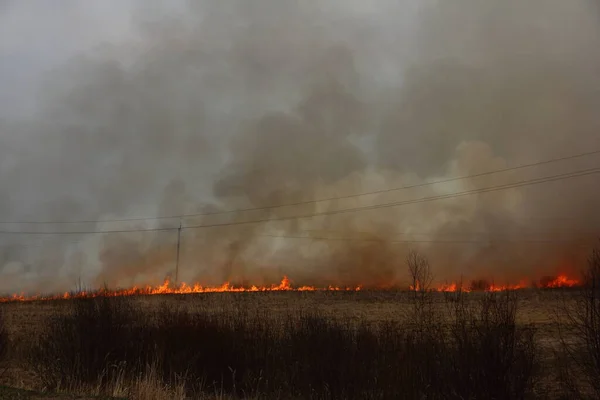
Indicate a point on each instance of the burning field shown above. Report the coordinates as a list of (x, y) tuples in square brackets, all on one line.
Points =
[(453, 340), (167, 288), (284, 341), (349, 199)]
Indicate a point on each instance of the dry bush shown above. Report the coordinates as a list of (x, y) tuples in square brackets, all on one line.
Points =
[(421, 278), (492, 356), (482, 351), (87, 346), (419, 271), (579, 356)]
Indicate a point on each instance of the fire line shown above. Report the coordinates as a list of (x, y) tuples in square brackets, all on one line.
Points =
[(560, 281)]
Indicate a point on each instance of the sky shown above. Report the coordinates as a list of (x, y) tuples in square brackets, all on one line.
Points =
[(127, 109)]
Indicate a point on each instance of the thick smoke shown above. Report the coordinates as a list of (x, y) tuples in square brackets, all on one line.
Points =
[(228, 105)]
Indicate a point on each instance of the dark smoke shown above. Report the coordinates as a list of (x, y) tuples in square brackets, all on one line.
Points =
[(229, 105)]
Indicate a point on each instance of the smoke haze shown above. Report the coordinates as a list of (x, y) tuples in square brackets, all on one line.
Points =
[(202, 107)]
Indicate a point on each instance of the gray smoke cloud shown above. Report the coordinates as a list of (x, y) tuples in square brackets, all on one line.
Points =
[(203, 107)]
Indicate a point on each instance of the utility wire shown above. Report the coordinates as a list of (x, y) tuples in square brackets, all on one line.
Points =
[(491, 241), (27, 246), (553, 178), (452, 233), (537, 181), (87, 232), (264, 208)]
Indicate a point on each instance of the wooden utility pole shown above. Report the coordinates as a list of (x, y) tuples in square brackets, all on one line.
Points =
[(178, 248)]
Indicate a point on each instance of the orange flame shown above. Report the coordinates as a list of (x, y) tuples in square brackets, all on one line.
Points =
[(452, 287), (166, 287), (560, 281), (183, 288)]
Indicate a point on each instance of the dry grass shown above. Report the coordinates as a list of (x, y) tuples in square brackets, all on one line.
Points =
[(324, 345), (27, 322)]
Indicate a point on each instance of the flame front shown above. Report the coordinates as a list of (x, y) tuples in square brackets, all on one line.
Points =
[(454, 287), (560, 281), (167, 288)]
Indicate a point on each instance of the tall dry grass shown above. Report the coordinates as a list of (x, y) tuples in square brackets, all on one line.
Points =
[(578, 358), (108, 344), (4, 344), (450, 346)]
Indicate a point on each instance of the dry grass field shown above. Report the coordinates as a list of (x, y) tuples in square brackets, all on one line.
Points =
[(255, 331)]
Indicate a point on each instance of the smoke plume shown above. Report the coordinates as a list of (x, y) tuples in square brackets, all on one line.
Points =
[(220, 106)]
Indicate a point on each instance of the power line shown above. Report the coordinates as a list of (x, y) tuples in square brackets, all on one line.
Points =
[(306, 202), (537, 181), (87, 232), (523, 183), (372, 234), (27, 246), (491, 241)]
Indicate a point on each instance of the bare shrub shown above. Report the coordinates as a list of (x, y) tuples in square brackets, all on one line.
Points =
[(579, 356), (482, 351), (420, 272), (88, 346), (493, 357), (421, 278)]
